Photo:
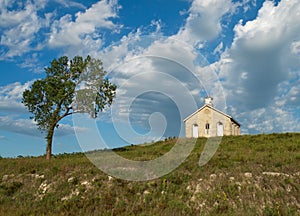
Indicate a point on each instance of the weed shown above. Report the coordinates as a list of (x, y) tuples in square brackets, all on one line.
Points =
[(188, 190)]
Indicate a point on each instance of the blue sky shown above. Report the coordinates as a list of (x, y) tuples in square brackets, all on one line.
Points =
[(164, 55)]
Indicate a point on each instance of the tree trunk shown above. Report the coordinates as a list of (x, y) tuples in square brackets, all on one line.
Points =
[(49, 142)]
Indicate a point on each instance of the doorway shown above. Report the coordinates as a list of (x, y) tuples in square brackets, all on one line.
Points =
[(195, 131), (220, 129)]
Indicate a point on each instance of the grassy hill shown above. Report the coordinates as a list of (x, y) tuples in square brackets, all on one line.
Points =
[(248, 175)]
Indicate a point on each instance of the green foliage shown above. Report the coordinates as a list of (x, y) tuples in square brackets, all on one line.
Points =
[(52, 98)]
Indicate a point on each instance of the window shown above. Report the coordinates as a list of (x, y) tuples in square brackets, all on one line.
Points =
[(206, 128)]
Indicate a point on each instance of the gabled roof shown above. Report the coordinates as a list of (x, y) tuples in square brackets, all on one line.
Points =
[(211, 107)]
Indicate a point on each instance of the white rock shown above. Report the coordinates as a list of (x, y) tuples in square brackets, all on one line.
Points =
[(85, 183), (71, 179), (198, 189), (146, 192), (275, 174), (5, 177), (248, 175), (44, 187), (40, 176), (202, 204), (213, 176)]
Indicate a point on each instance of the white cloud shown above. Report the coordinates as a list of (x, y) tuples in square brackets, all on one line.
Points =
[(153, 74), (295, 48), (29, 127), (270, 119), (68, 3), (261, 51), (82, 32), (259, 72), (13, 113), (203, 23), (141, 63), (11, 96), (20, 26), (32, 63), (21, 126), (218, 49)]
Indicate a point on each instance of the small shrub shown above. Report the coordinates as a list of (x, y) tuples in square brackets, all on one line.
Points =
[(11, 188)]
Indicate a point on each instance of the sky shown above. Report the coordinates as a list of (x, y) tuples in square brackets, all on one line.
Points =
[(165, 56)]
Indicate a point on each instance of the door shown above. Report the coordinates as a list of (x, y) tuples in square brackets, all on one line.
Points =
[(195, 131), (220, 129)]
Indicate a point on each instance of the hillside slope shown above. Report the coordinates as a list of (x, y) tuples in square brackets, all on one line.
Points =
[(248, 175)]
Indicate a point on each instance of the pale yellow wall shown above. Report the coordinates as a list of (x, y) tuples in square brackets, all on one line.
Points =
[(212, 117)]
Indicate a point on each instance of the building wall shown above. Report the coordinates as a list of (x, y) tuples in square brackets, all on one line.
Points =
[(213, 118)]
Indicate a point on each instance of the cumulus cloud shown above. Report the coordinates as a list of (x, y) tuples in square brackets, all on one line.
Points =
[(21, 126), (19, 26), (204, 20), (258, 57), (259, 71), (23, 26), (160, 74), (154, 75), (82, 32), (15, 117), (29, 127), (269, 119), (11, 96)]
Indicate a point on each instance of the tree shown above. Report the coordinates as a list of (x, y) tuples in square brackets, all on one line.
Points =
[(70, 86)]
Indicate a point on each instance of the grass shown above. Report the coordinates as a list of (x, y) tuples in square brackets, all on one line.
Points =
[(248, 175)]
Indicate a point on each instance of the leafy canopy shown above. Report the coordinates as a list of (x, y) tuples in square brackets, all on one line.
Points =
[(52, 98)]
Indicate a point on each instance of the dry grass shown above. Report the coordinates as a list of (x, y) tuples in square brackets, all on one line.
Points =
[(248, 175)]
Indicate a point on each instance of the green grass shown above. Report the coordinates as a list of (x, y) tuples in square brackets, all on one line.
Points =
[(248, 175)]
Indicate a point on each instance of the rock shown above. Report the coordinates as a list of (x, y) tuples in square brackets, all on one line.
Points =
[(40, 176), (202, 204), (71, 179), (248, 175), (275, 174), (193, 199), (84, 183), (146, 192), (213, 176), (288, 189), (44, 187), (189, 187), (5, 177), (198, 189)]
